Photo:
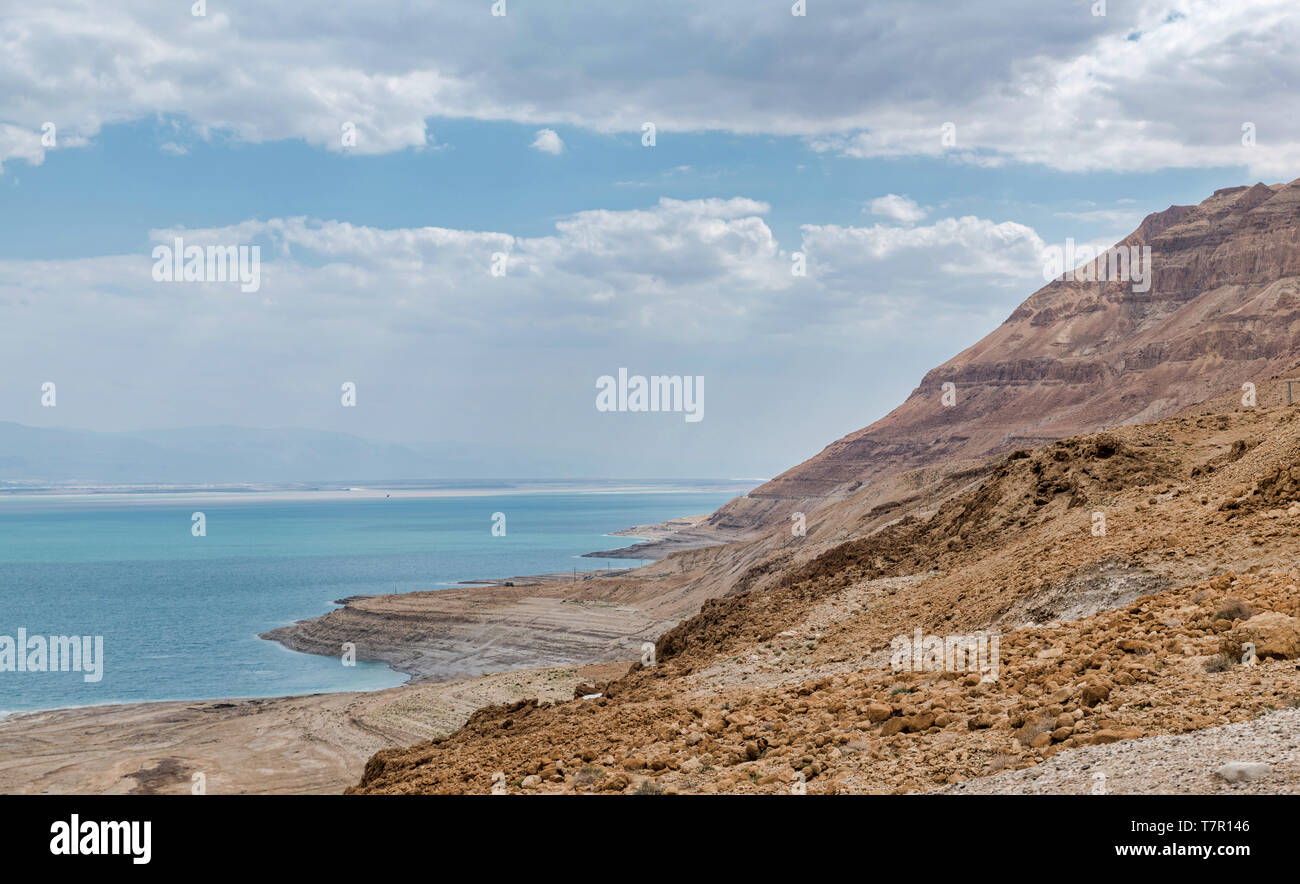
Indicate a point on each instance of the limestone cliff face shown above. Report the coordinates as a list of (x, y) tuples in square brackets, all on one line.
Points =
[(1223, 308)]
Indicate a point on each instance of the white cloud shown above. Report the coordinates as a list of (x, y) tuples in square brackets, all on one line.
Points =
[(897, 208), (1136, 90), (906, 279), (548, 141), (1157, 92), (17, 143), (709, 271)]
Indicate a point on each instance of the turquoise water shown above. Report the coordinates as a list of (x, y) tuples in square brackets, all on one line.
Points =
[(180, 615)]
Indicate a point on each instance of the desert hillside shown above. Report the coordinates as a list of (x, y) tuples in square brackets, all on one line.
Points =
[(1105, 638)]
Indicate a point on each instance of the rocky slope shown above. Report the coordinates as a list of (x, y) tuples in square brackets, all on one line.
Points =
[(785, 682)]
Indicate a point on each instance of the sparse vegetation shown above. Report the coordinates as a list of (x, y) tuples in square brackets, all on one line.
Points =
[(589, 774), (1235, 609)]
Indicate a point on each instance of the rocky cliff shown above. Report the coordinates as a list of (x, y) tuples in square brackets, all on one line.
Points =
[(1222, 308)]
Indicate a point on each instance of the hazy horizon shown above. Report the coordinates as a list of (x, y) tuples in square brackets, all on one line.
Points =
[(285, 456)]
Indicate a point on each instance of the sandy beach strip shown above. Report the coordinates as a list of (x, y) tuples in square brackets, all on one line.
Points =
[(312, 744)]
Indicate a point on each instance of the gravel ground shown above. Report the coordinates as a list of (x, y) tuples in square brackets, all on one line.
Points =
[(1178, 765)]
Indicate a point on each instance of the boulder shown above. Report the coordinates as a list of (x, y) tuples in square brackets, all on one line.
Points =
[(1275, 636)]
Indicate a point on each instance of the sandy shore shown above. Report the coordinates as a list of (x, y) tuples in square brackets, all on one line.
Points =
[(318, 743)]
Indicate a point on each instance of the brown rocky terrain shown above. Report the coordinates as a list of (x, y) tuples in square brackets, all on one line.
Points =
[(1103, 637)]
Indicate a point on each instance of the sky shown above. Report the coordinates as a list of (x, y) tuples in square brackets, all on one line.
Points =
[(473, 217)]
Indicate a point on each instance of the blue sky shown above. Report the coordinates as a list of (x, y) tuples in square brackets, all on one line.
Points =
[(106, 197), (775, 134)]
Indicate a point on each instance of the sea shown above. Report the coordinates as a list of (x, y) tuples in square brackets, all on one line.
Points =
[(179, 601)]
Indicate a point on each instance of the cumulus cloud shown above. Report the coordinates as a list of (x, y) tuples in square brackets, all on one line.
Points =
[(675, 270), (897, 208), (896, 279), (1027, 82), (708, 272), (548, 141)]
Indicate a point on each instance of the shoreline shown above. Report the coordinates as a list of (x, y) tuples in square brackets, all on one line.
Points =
[(502, 640), (412, 676), (657, 541), (481, 626), (492, 626)]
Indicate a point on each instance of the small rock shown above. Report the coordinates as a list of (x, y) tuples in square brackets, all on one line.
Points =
[(891, 727), (918, 723), (1242, 771), (878, 712), (1094, 694)]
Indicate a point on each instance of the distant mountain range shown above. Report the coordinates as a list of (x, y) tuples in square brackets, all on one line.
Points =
[(236, 455)]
